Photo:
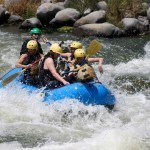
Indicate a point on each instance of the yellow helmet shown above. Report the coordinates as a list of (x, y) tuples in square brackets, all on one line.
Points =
[(56, 48), (76, 45), (79, 53), (32, 45)]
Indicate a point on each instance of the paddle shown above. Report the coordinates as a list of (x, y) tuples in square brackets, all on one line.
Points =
[(93, 48), (4, 76), (13, 76)]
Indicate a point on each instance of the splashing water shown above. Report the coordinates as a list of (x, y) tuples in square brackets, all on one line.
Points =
[(27, 123)]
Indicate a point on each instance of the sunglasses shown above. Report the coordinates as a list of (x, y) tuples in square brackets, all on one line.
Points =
[(36, 34)]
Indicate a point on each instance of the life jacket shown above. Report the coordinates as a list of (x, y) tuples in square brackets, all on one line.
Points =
[(65, 64), (45, 76), (31, 59), (85, 72), (60, 65), (71, 59)]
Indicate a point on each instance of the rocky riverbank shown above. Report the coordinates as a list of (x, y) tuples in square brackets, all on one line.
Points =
[(55, 15)]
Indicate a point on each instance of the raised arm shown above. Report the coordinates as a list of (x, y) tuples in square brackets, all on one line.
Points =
[(100, 60)]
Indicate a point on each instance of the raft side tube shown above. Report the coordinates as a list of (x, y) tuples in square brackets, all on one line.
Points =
[(94, 93), (87, 93)]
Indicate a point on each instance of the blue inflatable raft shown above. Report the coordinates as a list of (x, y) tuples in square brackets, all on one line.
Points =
[(87, 93)]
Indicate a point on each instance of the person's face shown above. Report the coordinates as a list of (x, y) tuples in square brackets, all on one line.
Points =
[(36, 36), (79, 60), (55, 55), (72, 50), (32, 51)]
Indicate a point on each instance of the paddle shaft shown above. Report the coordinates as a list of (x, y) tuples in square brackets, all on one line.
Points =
[(13, 76)]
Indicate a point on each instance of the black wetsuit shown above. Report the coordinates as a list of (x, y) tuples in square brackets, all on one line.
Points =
[(45, 76)]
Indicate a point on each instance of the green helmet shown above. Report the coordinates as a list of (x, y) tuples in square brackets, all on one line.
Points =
[(36, 31)]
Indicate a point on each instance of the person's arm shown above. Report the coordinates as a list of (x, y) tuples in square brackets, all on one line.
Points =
[(65, 55), (49, 63), (20, 61), (100, 60)]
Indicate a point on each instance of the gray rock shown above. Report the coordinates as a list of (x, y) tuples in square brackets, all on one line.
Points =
[(4, 14), (65, 17), (87, 11), (133, 26), (47, 11), (143, 20), (31, 23), (15, 19), (67, 14), (94, 17), (102, 29), (102, 5), (148, 13), (145, 5)]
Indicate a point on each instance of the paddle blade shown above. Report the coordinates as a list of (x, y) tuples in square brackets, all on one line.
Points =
[(10, 78), (93, 48)]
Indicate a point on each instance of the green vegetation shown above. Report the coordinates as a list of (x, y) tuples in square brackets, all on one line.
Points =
[(118, 9), (65, 29), (82, 5)]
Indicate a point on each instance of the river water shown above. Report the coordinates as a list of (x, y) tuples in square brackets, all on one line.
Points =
[(28, 124)]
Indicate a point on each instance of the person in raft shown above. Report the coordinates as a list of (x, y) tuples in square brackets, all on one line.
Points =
[(69, 57), (48, 69), (29, 62), (82, 70), (35, 35)]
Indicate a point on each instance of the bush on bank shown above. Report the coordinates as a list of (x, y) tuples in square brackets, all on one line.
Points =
[(25, 8), (118, 9)]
